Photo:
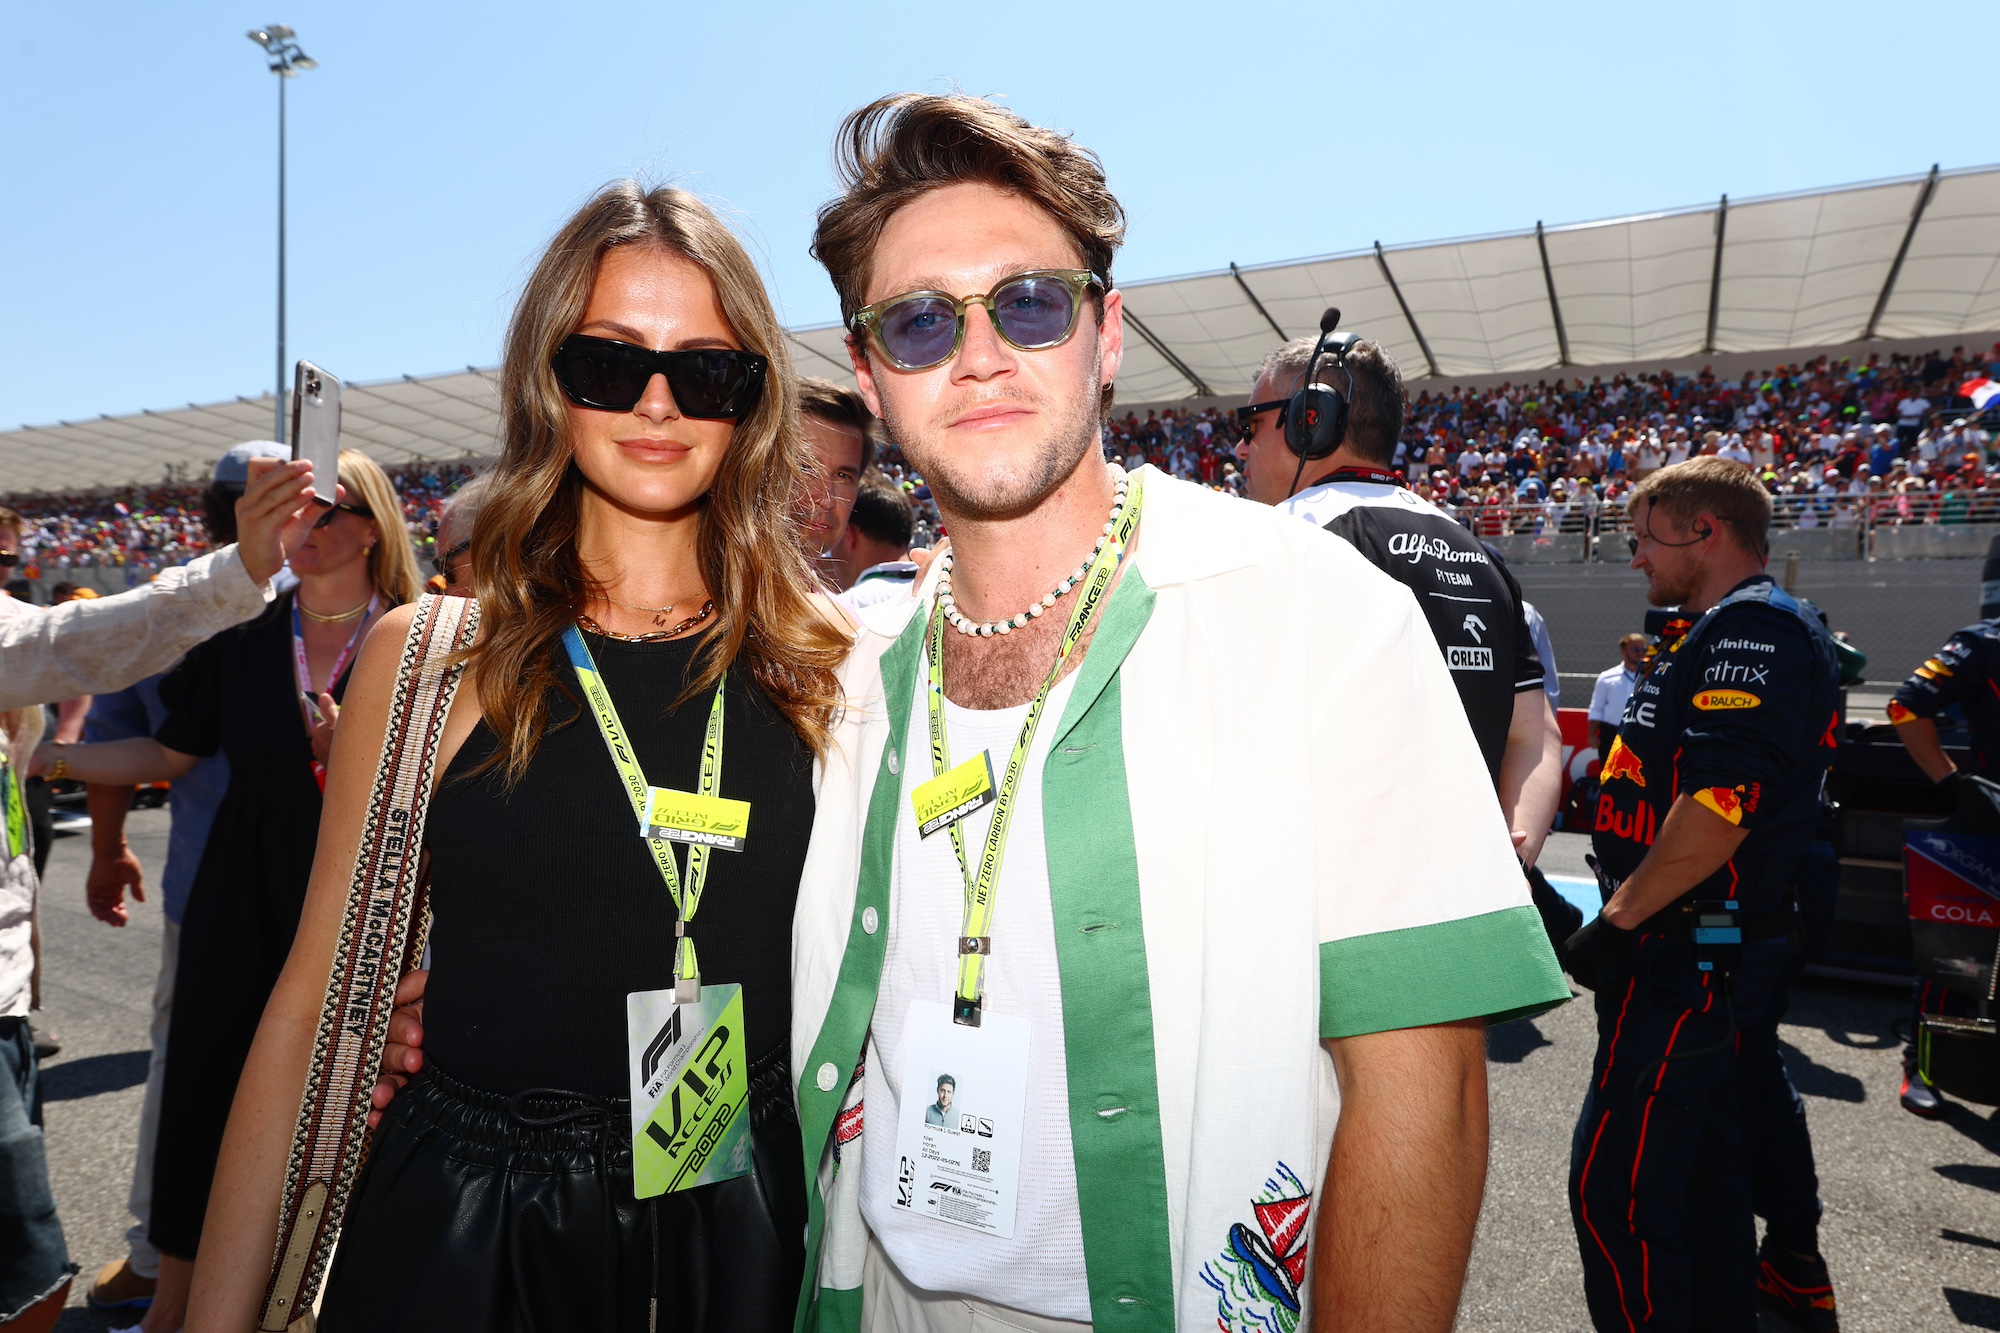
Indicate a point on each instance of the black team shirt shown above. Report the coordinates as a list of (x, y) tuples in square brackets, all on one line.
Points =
[(1471, 602)]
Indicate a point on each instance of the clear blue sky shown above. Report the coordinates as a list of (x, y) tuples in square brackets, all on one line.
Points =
[(439, 145)]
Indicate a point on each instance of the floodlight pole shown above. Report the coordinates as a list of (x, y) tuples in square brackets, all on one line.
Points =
[(285, 60), (278, 430)]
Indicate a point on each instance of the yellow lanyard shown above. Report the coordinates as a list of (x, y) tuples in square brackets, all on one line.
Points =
[(976, 941), (687, 900), (17, 811)]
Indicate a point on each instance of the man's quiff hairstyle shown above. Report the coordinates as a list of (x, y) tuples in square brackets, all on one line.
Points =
[(900, 147), (1709, 485), (1375, 401)]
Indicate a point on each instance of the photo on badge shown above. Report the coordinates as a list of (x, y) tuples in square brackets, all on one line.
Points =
[(958, 1137)]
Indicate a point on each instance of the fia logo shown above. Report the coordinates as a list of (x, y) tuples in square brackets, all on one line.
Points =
[(665, 1039)]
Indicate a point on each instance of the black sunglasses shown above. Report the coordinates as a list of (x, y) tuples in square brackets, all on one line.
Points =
[(1246, 415), (712, 383), (332, 511)]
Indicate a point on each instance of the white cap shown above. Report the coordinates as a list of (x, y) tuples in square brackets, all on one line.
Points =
[(233, 468)]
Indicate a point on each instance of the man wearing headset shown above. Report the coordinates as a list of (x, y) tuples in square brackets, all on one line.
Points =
[(1710, 798), (1346, 484)]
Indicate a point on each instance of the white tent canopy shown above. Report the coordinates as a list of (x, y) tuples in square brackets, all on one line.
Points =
[(1915, 257)]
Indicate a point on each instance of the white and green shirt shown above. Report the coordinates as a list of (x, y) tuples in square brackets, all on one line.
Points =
[(1266, 824)]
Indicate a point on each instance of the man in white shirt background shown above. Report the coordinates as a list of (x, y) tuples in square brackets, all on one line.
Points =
[(870, 561), (1614, 686), (1910, 417)]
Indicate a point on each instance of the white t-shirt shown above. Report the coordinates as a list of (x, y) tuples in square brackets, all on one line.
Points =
[(879, 583), (1910, 412), (1608, 696), (1040, 1270)]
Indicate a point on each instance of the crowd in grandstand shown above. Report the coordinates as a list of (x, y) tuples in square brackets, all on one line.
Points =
[(1837, 444), (152, 527)]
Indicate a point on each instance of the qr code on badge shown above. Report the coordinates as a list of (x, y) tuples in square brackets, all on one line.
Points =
[(982, 1160)]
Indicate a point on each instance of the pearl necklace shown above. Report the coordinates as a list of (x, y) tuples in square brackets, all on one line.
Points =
[(986, 629)]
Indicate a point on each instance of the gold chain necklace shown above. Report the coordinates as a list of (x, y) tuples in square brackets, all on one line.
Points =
[(657, 612), (707, 610), (311, 614)]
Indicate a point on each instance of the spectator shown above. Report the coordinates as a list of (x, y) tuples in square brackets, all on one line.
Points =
[(88, 647), (451, 560), (1614, 686), (871, 558), (240, 693), (841, 431)]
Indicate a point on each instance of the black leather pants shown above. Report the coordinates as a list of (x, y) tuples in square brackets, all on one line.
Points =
[(516, 1214)]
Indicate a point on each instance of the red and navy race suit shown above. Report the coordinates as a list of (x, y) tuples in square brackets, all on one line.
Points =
[(1737, 714), (1965, 672)]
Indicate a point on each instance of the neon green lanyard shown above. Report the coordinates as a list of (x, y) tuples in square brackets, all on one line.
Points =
[(17, 811), (687, 899), (976, 941)]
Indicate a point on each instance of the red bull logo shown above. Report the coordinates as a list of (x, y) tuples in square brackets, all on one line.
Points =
[(1898, 714), (1639, 826), (1622, 763), (1725, 801)]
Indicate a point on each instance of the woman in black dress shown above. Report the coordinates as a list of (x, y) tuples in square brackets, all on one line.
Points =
[(635, 560), (265, 694)]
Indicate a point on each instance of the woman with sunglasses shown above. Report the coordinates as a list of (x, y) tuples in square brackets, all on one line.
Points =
[(638, 570), (265, 694)]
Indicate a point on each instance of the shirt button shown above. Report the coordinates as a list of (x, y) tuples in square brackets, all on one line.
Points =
[(828, 1076), (869, 920), (895, 766)]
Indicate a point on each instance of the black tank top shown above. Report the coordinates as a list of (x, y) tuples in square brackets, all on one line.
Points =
[(548, 908)]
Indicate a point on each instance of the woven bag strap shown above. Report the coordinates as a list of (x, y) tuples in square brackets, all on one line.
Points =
[(383, 905)]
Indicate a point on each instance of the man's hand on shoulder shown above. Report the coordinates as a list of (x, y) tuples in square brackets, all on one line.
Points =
[(403, 1055)]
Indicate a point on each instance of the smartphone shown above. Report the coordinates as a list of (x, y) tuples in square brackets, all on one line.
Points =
[(316, 426)]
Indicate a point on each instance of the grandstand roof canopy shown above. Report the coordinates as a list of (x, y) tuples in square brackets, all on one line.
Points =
[(1914, 257)]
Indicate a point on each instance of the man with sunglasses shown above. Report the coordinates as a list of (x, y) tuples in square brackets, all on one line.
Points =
[(451, 560), (1469, 599), (1146, 1009), (1709, 799)]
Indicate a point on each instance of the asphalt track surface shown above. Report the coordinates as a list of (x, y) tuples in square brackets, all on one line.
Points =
[(1913, 1208)]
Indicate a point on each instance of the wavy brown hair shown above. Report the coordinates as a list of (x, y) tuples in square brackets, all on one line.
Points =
[(752, 553)]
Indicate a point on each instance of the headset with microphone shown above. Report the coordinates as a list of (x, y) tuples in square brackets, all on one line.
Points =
[(1316, 416)]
